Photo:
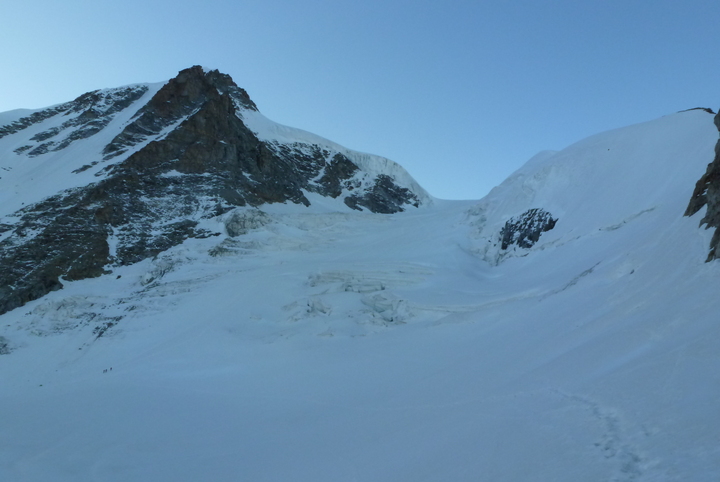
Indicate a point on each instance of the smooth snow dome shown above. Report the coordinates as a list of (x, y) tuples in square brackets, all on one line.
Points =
[(328, 345)]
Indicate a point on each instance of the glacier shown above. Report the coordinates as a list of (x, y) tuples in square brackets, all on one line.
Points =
[(324, 343)]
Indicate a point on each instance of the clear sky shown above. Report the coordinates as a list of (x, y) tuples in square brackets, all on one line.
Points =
[(461, 93)]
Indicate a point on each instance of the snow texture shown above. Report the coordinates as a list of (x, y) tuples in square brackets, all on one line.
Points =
[(324, 344)]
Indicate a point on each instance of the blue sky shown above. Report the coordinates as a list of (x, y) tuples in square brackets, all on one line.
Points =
[(461, 93)]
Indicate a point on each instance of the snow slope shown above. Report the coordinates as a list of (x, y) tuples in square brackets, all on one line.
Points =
[(327, 345), (26, 180)]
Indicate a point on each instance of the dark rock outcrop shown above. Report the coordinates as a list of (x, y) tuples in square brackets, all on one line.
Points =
[(189, 157), (180, 97), (384, 197), (707, 192), (525, 230)]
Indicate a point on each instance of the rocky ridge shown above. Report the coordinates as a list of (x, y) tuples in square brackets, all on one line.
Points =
[(184, 157), (86, 116)]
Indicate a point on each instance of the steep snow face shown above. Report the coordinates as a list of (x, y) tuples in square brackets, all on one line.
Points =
[(323, 345), (601, 183), (46, 151), (371, 166)]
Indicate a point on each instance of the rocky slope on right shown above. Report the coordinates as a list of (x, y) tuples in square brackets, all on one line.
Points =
[(707, 193)]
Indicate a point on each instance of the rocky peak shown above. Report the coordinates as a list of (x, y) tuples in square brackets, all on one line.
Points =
[(190, 89), (182, 96), (183, 156)]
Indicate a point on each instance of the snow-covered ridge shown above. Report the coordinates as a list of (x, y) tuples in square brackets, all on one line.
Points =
[(61, 163), (13, 115), (372, 165), (603, 181), (57, 170)]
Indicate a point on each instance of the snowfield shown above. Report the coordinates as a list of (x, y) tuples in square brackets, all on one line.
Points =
[(326, 344)]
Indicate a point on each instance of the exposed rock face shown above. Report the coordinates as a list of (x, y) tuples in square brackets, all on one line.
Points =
[(525, 230), (188, 156), (180, 97), (707, 192)]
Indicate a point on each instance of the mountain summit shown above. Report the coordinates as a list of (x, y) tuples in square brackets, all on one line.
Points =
[(120, 175)]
